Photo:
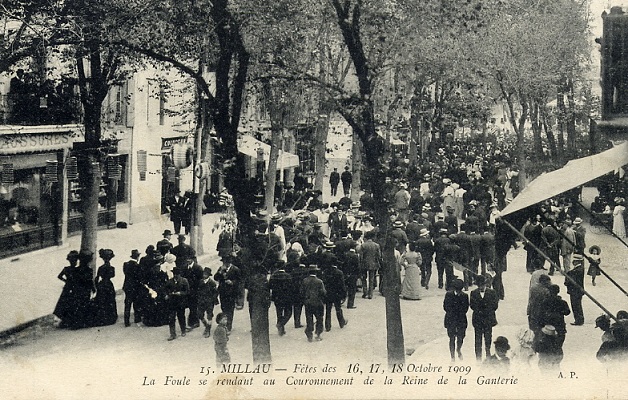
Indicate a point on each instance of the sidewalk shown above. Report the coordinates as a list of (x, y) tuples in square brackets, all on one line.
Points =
[(29, 285)]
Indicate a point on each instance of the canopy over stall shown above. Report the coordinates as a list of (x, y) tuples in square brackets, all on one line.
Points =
[(573, 174), (249, 145)]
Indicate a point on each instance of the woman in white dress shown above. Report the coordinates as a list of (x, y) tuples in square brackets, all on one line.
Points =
[(410, 261), (619, 227)]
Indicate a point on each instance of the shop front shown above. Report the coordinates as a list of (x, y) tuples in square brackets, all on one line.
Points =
[(32, 186)]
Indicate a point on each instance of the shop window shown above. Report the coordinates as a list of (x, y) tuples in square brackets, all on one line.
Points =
[(27, 202)]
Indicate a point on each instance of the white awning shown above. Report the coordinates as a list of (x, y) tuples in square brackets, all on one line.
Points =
[(573, 174), (248, 145)]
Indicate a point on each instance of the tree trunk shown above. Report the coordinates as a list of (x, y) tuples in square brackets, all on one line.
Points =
[(571, 119), (547, 126), (271, 174), (356, 161), (320, 148), (560, 104), (536, 130)]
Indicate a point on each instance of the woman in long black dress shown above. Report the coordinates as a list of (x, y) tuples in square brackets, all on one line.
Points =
[(66, 303), (79, 313), (105, 309), (155, 307)]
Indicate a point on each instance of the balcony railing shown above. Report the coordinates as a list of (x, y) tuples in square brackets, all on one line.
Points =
[(53, 108)]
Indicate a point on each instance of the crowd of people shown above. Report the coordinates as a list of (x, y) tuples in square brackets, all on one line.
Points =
[(311, 259)]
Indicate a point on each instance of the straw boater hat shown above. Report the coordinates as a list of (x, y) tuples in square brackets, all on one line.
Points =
[(329, 245), (398, 224), (549, 330), (577, 221), (425, 232)]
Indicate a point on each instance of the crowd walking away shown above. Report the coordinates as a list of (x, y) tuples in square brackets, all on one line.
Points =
[(311, 258)]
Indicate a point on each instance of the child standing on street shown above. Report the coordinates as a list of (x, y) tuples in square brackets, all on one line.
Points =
[(207, 298), (594, 263), (221, 337)]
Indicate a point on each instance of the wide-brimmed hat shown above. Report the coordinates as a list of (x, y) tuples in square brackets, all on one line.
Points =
[(595, 247), (135, 253), (275, 217), (549, 330), (425, 232), (502, 342), (426, 207), (106, 254), (313, 268), (577, 221), (398, 224), (329, 245), (167, 232), (170, 258)]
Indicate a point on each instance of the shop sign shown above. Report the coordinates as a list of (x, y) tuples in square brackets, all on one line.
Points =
[(38, 142), (169, 142)]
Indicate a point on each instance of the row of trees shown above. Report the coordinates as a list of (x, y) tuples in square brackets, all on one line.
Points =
[(363, 59)]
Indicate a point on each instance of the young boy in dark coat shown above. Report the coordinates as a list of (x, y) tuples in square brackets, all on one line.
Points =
[(456, 305)]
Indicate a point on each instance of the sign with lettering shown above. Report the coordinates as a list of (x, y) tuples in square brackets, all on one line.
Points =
[(169, 142), (38, 142)]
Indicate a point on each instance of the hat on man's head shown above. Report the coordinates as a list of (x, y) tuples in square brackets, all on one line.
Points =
[(135, 253), (329, 245), (167, 232), (181, 237), (502, 343), (443, 230), (425, 232), (549, 330), (457, 284), (313, 268), (577, 221), (398, 224), (577, 257), (276, 217)]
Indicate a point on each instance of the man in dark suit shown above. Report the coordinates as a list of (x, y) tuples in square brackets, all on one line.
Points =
[(164, 245), (228, 278), (194, 274), (370, 258), (183, 251), (176, 295), (351, 271), (282, 290), (456, 305), (334, 282), (426, 248), (177, 210), (298, 274), (483, 302), (132, 288), (347, 180), (575, 288), (334, 180), (313, 294)]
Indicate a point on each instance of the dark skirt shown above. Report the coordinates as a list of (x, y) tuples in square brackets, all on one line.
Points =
[(104, 304)]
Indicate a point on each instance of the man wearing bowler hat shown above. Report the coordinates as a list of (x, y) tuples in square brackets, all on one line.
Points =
[(132, 288), (165, 245), (483, 301)]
